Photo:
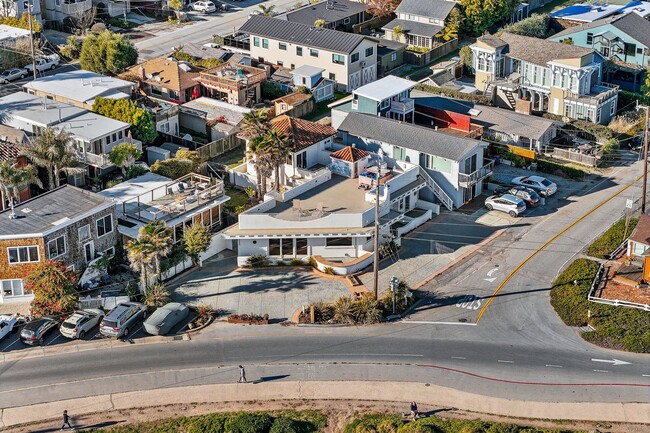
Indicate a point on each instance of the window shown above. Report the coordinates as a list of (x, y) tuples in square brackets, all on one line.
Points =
[(393, 57), (274, 247), (256, 41), (119, 135), (630, 49), (155, 90), (339, 59), (104, 225), (481, 64), (346, 20), (590, 38), (604, 51), (332, 76), (265, 43), (370, 51), (399, 153), (639, 50), (338, 242), (598, 113), (313, 52), (12, 288), (612, 108), (301, 247), (56, 247), (280, 63), (282, 46), (298, 51), (114, 137), (164, 127), (384, 104), (23, 254), (173, 94)]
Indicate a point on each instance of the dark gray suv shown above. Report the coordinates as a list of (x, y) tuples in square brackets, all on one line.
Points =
[(120, 319)]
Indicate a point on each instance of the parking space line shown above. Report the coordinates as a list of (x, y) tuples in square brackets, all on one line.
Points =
[(505, 361), (554, 366), (602, 371), (424, 322), (53, 340), (458, 357)]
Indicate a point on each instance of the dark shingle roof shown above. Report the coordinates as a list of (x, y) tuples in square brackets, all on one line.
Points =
[(330, 11), (427, 8), (50, 210), (310, 36), (492, 41), (414, 27), (540, 51), (407, 135)]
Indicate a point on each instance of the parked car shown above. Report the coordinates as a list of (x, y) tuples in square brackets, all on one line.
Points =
[(8, 324), (203, 6), (80, 322), (508, 203), (540, 184), (12, 74), (118, 321), (165, 318), (34, 332), (44, 63), (528, 195)]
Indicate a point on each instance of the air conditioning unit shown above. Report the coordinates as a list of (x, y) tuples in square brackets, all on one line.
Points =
[(363, 64)]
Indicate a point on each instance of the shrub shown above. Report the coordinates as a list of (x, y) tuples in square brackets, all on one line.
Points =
[(111, 183), (312, 262), (329, 270), (535, 26), (366, 311), (606, 243), (284, 425), (479, 99), (248, 423), (203, 314), (156, 295), (280, 263), (258, 261), (297, 262), (135, 171), (570, 290), (550, 167)]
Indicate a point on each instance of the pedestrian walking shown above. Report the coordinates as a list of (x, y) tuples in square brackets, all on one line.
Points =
[(66, 420), (242, 375), (414, 410)]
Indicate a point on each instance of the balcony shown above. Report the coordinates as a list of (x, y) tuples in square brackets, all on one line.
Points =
[(101, 160), (467, 180), (75, 8), (403, 106), (598, 94), (229, 76)]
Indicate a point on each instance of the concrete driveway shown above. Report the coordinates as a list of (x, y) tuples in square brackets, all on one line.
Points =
[(277, 292)]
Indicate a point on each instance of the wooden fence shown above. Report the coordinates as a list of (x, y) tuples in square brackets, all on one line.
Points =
[(421, 59), (577, 157), (219, 147)]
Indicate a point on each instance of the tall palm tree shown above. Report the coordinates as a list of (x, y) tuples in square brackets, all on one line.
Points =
[(13, 179), (54, 152), (255, 123), (267, 11), (141, 254), (258, 152), (160, 237), (277, 145)]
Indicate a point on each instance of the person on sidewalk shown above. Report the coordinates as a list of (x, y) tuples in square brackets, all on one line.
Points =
[(414, 410), (242, 375), (66, 420)]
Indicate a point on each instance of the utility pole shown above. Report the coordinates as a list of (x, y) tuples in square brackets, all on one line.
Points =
[(31, 35), (375, 268), (645, 160)]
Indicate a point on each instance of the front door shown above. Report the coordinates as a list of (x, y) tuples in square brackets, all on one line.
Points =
[(89, 251)]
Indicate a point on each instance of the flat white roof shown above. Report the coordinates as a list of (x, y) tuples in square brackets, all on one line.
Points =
[(35, 110), (134, 187), (8, 33), (307, 70), (586, 12), (385, 88), (90, 126), (81, 86)]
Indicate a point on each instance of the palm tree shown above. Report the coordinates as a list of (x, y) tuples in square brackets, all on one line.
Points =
[(258, 152), (54, 152), (276, 144), (255, 123), (13, 178), (267, 11), (141, 254), (160, 236)]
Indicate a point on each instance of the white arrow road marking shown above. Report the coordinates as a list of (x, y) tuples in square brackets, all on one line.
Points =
[(491, 280), (489, 274), (613, 361), (645, 375)]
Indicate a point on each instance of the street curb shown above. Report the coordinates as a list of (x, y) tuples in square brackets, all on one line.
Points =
[(427, 394)]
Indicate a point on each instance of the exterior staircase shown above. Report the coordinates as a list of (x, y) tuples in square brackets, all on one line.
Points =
[(437, 191), (489, 90), (511, 99)]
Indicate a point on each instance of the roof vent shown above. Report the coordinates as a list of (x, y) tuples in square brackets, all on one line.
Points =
[(26, 210)]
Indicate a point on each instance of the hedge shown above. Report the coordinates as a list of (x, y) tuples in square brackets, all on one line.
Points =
[(611, 239), (479, 99), (615, 327), (378, 423), (550, 167), (289, 421)]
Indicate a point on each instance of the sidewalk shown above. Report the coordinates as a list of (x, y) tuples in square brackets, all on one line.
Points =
[(404, 392)]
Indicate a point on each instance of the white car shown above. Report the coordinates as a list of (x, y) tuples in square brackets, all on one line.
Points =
[(12, 75), (8, 324), (508, 203), (81, 322), (203, 6), (44, 63), (540, 184)]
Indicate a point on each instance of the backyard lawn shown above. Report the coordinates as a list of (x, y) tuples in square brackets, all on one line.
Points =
[(232, 158)]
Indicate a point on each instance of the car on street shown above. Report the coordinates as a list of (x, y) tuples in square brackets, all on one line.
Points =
[(507, 203), (121, 319), (81, 322), (528, 195), (34, 332), (165, 318), (543, 186), (12, 74), (44, 63), (203, 6), (8, 324)]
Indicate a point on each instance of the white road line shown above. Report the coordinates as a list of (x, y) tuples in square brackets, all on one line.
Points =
[(553, 366), (15, 341), (506, 362), (602, 371), (56, 338), (424, 322), (458, 357), (368, 354), (645, 375)]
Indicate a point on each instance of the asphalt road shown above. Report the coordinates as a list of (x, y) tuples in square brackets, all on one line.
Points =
[(16, 86), (519, 349)]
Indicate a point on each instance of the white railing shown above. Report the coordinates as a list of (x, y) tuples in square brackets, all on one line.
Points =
[(467, 180), (437, 190), (599, 281), (405, 105), (75, 8)]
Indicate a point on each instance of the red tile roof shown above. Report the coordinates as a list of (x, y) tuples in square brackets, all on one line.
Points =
[(350, 154), (302, 133)]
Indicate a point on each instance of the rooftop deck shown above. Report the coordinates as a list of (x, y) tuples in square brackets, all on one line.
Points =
[(232, 76)]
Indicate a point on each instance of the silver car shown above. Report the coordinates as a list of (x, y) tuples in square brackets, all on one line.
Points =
[(508, 203), (540, 184), (165, 318), (122, 318), (81, 322), (12, 74)]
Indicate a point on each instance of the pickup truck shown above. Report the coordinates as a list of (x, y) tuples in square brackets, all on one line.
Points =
[(44, 63), (8, 324)]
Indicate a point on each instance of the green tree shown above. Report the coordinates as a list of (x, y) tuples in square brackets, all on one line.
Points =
[(278, 149), (196, 240), (53, 285), (255, 123), (645, 88), (320, 23), (124, 156), (185, 162), (141, 255), (176, 5), (22, 22), (72, 48), (480, 15), (398, 33), (107, 53), (157, 295), (13, 179), (160, 237), (452, 25), (466, 56), (54, 152), (258, 153), (267, 11), (535, 26), (141, 120)]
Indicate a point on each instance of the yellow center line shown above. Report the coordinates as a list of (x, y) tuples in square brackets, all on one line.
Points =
[(550, 241)]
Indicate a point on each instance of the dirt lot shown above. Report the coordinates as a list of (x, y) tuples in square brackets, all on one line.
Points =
[(339, 414)]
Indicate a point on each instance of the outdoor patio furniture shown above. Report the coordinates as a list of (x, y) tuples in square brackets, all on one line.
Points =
[(202, 185), (206, 195), (181, 186), (190, 199)]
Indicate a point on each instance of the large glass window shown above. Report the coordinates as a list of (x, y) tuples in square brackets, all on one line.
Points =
[(265, 43), (298, 51), (338, 242), (287, 246), (313, 52), (104, 225), (369, 51), (256, 41), (13, 288), (56, 247), (282, 46), (23, 254), (339, 59), (274, 247), (301, 247)]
